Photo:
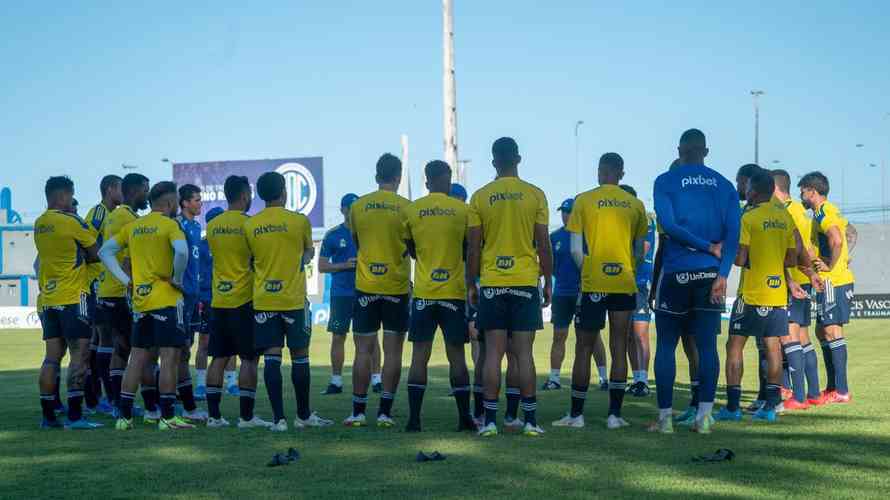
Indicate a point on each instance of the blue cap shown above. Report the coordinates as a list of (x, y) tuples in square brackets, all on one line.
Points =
[(458, 191), (567, 205), (212, 213), (347, 200)]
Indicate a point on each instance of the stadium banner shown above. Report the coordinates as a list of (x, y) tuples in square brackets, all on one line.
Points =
[(19, 318), (870, 306), (304, 180)]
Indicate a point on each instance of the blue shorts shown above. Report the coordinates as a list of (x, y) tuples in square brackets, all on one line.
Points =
[(341, 315), (833, 305), (642, 313), (562, 310), (678, 294), (800, 311), (593, 308), (758, 321)]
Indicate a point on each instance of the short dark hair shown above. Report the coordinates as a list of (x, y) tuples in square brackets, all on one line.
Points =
[(234, 186), (815, 181), (107, 182), (160, 190), (56, 184), (269, 186), (694, 137), (389, 168), (748, 170), (505, 149), (436, 169), (783, 179), (132, 182), (187, 191), (628, 189), (762, 183), (613, 161)]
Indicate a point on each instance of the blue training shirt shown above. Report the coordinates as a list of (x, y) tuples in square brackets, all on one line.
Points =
[(566, 274), (192, 231), (339, 247), (205, 273), (696, 206), (644, 270)]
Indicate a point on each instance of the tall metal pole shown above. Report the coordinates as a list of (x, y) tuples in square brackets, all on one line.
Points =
[(449, 100), (844, 179), (405, 185), (756, 94), (577, 148)]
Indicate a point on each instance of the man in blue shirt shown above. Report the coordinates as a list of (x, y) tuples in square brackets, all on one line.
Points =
[(567, 286), (189, 209), (638, 350), (205, 292), (338, 257), (699, 212)]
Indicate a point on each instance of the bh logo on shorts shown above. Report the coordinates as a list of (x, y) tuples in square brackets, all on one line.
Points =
[(505, 262), (143, 290), (274, 286), (302, 191), (378, 269), (612, 268), (224, 286), (440, 275), (774, 281)]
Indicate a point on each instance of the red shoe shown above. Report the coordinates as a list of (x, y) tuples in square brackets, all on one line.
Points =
[(823, 399), (786, 393), (793, 405), (842, 398)]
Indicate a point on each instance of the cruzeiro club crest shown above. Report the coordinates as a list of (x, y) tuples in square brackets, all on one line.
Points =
[(488, 293), (302, 192), (419, 304)]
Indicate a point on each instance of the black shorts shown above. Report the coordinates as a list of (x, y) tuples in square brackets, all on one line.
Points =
[(159, 328), (833, 305), (449, 315), (679, 293), (114, 313), (341, 315), (801, 310), (593, 308), (275, 328), (231, 332), (516, 309), (69, 322), (562, 310), (758, 321), (371, 311)]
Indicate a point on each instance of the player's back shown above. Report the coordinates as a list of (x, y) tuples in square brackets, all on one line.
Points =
[(232, 282), (610, 220), (109, 286), (383, 266), (700, 200), (277, 239), (63, 275), (768, 232), (508, 209), (150, 241), (437, 223)]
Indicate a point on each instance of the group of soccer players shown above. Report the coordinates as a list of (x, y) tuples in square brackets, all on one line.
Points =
[(138, 287)]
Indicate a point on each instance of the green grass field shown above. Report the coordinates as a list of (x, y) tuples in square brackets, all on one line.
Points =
[(831, 452)]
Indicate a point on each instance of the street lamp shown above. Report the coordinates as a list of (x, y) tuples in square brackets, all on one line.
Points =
[(756, 95), (577, 174)]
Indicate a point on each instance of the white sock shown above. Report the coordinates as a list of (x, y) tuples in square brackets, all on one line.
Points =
[(664, 413), (602, 372), (200, 377), (704, 409), (554, 374), (337, 380), (230, 378), (375, 378)]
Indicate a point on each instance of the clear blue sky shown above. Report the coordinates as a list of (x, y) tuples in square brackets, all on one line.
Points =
[(87, 86)]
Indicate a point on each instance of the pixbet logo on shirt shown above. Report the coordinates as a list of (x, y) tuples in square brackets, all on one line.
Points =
[(437, 211), (774, 224), (302, 190), (698, 180), (505, 196), (613, 203)]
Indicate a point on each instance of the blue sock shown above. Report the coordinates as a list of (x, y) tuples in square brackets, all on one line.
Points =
[(529, 410), (579, 395), (786, 371), (668, 330), (794, 355), (829, 366), (168, 401), (300, 377), (811, 368), (733, 397), (705, 325), (772, 396), (693, 392), (386, 401), (491, 411), (513, 398), (616, 396), (839, 360), (272, 378)]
